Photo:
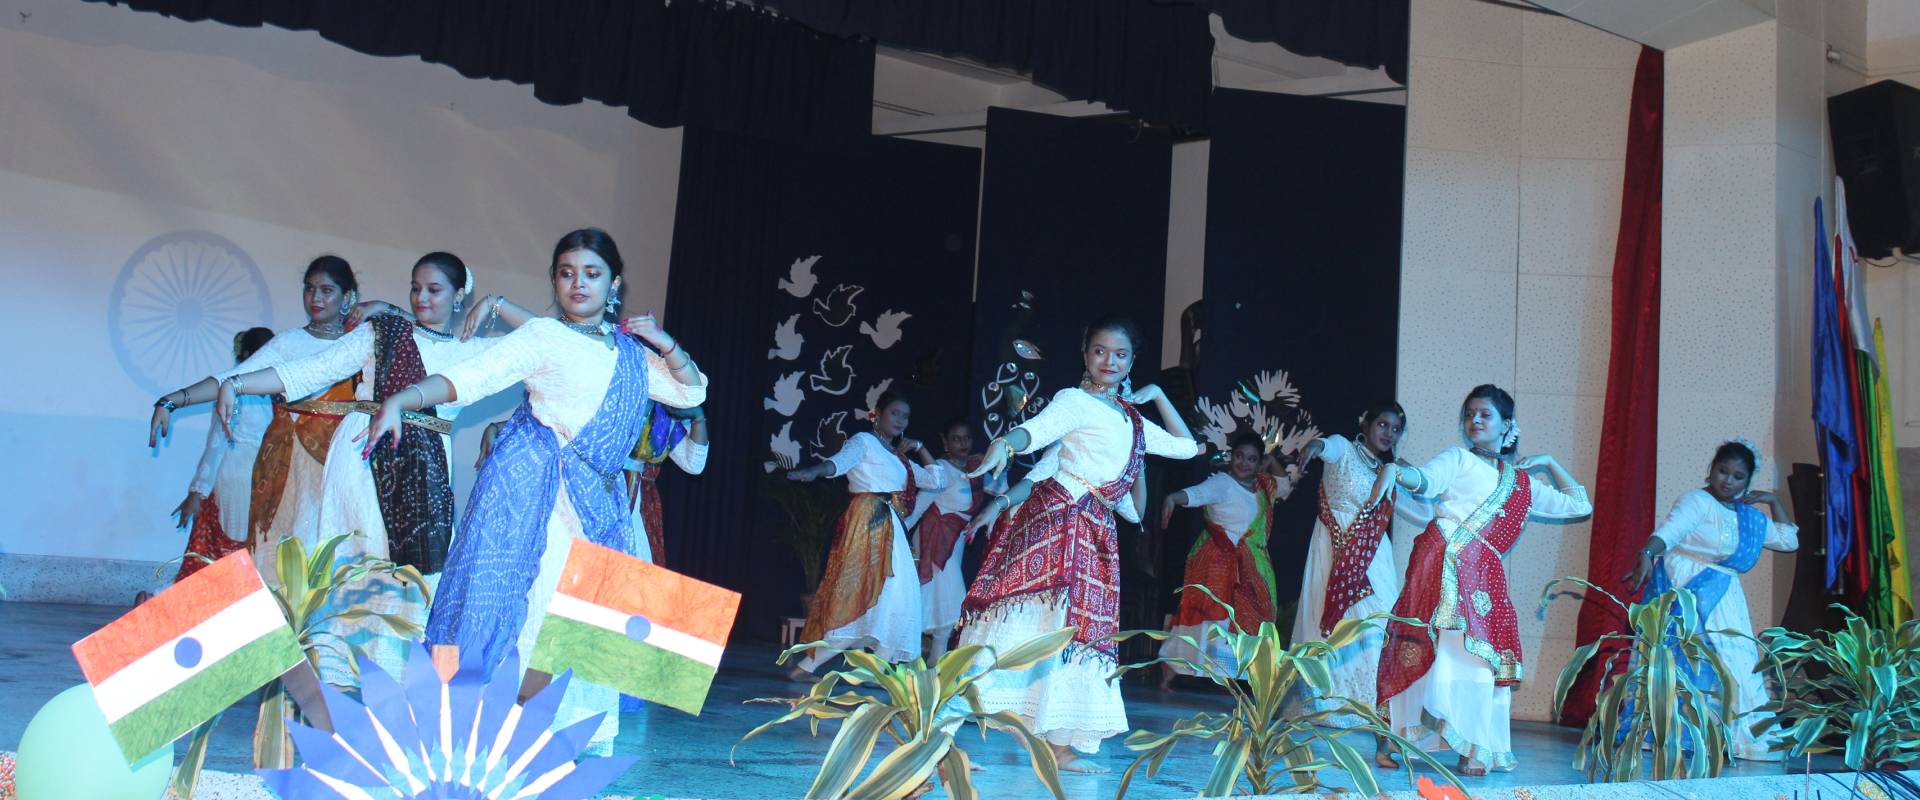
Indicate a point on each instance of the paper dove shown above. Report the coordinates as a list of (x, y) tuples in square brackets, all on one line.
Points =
[(800, 279), (885, 330), (786, 341), (786, 394)]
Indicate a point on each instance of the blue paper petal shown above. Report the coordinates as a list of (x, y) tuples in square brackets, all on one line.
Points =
[(536, 715), (588, 778), (566, 745), (320, 753)]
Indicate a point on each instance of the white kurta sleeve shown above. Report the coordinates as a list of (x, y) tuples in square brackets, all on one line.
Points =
[(1047, 466), (690, 456), (1334, 448), (1553, 505), (851, 454), (1686, 516), (664, 388), (269, 354), (1166, 445), (1207, 492), (921, 502), (348, 355), (507, 361), (929, 479), (1064, 413), (210, 459), (1782, 536), (1440, 472)]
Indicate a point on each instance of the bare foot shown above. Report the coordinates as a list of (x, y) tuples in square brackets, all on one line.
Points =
[(1470, 768), (1166, 687), (1071, 761), (798, 675), (1384, 760), (921, 791)]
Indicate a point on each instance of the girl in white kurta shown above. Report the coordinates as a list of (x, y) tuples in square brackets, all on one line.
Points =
[(869, 594), (1451, 683), (348, 499), (1056, 563), (1229, 558), (1350, 571), (937, 522), (222, 487), (285, 492), (554, 473), (1712, 536)]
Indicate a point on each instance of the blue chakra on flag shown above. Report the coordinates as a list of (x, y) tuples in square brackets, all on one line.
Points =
[(422, 739)]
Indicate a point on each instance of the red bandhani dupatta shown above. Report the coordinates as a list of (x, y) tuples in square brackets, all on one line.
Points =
[(1066, 549), (1353, 550), (1456, 581), (207, 539), (1234, 572), (939, 531)]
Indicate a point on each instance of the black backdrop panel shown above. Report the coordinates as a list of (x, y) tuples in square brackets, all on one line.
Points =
[(1302, 273), (803, 278), (1074, 212)]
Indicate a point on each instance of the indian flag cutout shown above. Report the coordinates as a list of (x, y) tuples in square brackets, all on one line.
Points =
[(626, 624), (182, 657)]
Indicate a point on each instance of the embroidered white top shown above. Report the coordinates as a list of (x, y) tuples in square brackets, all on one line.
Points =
[(1095, 442), (566, 373)]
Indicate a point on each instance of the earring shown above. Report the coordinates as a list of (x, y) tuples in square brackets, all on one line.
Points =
[(1126, 386), (346, 307), (613, 305)]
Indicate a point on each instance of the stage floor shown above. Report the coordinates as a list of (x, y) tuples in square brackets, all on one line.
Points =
[(687, 757)]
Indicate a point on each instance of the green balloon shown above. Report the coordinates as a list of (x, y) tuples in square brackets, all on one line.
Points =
[(68, 752)]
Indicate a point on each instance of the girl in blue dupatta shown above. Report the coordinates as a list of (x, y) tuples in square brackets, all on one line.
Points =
[(555, 473), (1712, 536)]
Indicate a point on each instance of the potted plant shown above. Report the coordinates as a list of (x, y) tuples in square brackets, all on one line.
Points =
[(1856, 692), (812, 509), (1668, 699), (1258, 742)]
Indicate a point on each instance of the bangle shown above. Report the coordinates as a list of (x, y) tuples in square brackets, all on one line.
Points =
[(669, 351), (423, 396), (235, 380), (165, 402), (1011, 452)]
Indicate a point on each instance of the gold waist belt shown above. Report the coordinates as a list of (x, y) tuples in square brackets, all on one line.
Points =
[(341, 408)]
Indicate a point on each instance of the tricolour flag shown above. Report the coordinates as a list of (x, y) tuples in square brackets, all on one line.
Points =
[(182, 657), (626, 624)]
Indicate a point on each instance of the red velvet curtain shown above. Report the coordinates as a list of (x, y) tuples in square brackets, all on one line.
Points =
[(1623, 515)]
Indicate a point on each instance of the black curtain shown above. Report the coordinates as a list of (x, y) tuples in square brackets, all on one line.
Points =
[(1073, 226), (1302, 275), (668, 63), (782, 255), (1358, 33), (1151, 58)]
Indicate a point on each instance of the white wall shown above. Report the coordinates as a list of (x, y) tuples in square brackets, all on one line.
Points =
[(117, 127), (1516, 142)]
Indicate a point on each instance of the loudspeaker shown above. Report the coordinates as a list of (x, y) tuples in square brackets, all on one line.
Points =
[(1876, 150)]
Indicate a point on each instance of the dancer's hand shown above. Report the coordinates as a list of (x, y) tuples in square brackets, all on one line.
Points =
[(994, 461), (1535, 462), (385, 424), (483, 312), (1642, 569), (188, 508), (225, 405), (1759, 497), (986, 517), (648, 330), (160, 427), (1146, 394), (1166, 512), (372, 308)]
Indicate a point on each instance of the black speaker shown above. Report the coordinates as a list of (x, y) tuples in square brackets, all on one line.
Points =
[(1876, 150)]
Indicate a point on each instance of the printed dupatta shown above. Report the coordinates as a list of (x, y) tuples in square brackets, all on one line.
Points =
[(409, 476), (1240, 574), (861, 560), (1456, 581), (1353, 549), (1710, 586), (1066, 550)]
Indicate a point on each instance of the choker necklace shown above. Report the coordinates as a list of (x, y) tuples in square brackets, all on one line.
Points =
[(1485, 453), (1367, 455), (431, 333), (326, 330), (600, 328)]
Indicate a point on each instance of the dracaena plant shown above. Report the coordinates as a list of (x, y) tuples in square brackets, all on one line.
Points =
[(1856, 692), (306, 581), (1663, 709), (920, 708), (1259, 743)]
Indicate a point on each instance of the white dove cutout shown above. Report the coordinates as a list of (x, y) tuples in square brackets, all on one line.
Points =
[(786, 451), (834, 377), (800, 280), (873, 396), (786, 394), (885, 330), (829, 433), (786, 340), (837, 308)]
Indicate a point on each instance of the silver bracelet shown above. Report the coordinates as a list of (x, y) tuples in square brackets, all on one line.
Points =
[(423, 396)]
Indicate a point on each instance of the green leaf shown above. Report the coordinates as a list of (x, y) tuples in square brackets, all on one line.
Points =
[(956, 775), (1046, 767), (1034, 650), (290, 561), (1229, 757), (848, 753), (187, 775), (904, 769), (321, 563), (1357, 768)]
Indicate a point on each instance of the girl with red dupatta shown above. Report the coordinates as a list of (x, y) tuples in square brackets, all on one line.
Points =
[(1350, 572), (1056, 562), (869, 595), (1229, 558), (937, 539), (1451, 682)]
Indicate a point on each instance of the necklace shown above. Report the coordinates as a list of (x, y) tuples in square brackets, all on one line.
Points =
[(1366, 455), (433, 334), (326, 330), (592, 330)]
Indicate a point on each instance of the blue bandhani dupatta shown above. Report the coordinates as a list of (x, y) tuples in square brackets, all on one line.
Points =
[(1711, 585), (482, 601)]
